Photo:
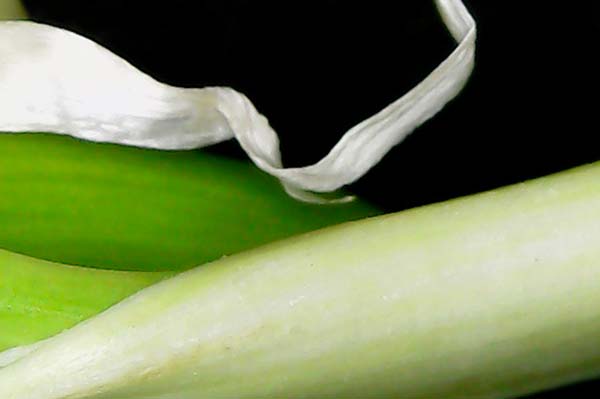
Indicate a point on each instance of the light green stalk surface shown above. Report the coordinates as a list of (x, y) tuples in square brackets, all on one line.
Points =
[(12, 9), (126, 208), (493, 295)]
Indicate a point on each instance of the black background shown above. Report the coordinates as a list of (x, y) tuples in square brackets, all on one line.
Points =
[(316, 68)]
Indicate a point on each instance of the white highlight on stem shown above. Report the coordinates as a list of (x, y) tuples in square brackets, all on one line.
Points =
[(52, 80), (10, 356)]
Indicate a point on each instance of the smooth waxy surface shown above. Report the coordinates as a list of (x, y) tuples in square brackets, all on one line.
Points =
[(39, 299), (489, 296), (128, 208)]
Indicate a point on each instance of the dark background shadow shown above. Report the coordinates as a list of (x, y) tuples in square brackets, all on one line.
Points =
[(317, 68)]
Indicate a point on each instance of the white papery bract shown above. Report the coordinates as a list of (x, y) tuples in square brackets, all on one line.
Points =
[(52, 80)]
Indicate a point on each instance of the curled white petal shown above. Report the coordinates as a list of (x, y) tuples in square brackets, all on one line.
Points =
[(52, 80)]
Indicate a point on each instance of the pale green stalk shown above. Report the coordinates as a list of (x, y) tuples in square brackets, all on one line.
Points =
[(493, 295), (120, 207)]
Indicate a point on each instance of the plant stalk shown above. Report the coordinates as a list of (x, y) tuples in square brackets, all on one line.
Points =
[(493, 295)]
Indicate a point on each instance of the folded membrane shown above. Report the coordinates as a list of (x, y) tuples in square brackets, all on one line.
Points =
[(57, 81)]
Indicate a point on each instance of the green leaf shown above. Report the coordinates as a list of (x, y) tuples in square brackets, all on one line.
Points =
[(126, 208)]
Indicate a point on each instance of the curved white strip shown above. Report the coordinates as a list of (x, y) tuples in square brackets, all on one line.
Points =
[(12, 355), (52, 80)]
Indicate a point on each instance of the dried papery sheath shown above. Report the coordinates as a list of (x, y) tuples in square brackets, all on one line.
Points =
[(52, 80)]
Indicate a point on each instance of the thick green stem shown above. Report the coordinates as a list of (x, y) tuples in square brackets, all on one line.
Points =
[(489, 296)]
